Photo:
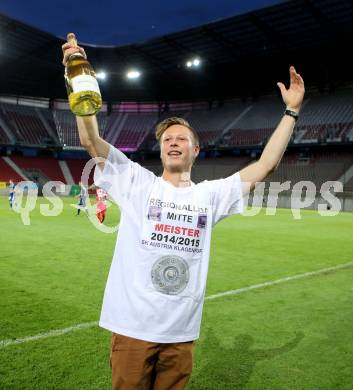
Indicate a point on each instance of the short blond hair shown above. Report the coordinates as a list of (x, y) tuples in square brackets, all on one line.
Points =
[(166, 123)]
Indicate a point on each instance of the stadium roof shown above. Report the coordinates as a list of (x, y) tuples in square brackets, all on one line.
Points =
[(124, 22), (242, 55)]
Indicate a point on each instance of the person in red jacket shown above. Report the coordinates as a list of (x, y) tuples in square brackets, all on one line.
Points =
[(101, 205)]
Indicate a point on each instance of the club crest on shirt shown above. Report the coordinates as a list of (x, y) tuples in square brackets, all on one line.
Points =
[(154, 213), (170, 275), (202, 221)]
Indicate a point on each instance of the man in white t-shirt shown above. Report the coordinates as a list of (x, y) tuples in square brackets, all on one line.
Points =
[(156, 285)]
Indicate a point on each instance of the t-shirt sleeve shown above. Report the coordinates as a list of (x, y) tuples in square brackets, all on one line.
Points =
[(122, 178), (226, 197)]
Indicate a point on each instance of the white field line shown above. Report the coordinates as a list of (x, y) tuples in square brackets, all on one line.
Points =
[(86, 325), (51, 333), (279, 281)]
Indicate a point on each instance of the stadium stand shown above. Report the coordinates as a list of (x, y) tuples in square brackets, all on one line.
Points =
[(210, 124), (327, 117), (134, 130), (258, 123), (115, 121), (26, 125), (66, 127), (349, 185), (349, 134), (7, 172), (4, 139), (264, 113), (76, 167), (45, 167), (315, 167), (323, 118), (238, 137), (48, 120)]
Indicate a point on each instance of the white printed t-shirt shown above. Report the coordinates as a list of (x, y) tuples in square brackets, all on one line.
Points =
[(157, 280)]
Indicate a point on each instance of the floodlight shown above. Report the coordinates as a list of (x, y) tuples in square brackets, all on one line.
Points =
[(101, 75), (133, 74), (193, 63)]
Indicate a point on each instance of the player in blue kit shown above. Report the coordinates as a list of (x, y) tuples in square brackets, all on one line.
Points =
[(82, 199), (12, 191)]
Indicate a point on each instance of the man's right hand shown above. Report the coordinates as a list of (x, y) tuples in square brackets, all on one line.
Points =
[(68, 50)]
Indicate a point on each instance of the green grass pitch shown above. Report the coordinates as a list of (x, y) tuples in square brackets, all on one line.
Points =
[(295, 335)]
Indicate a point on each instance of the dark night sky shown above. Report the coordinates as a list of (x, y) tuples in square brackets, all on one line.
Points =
[(118, 23)]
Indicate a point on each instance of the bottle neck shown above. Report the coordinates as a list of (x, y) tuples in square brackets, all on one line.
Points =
[(76, 55)]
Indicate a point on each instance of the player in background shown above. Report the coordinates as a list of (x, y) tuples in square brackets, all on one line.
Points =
[(101, 205), (82, 198), (12, 192)]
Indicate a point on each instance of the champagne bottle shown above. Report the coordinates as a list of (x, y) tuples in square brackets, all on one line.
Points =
[(81, 84)]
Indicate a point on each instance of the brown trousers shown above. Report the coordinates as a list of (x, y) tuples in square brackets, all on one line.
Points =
[(143, 365)]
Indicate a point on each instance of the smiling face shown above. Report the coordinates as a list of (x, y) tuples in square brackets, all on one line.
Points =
[(178, 149)]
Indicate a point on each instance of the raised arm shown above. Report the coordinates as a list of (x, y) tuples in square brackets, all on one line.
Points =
[(90, 138), (87, 125), (276, 146)]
